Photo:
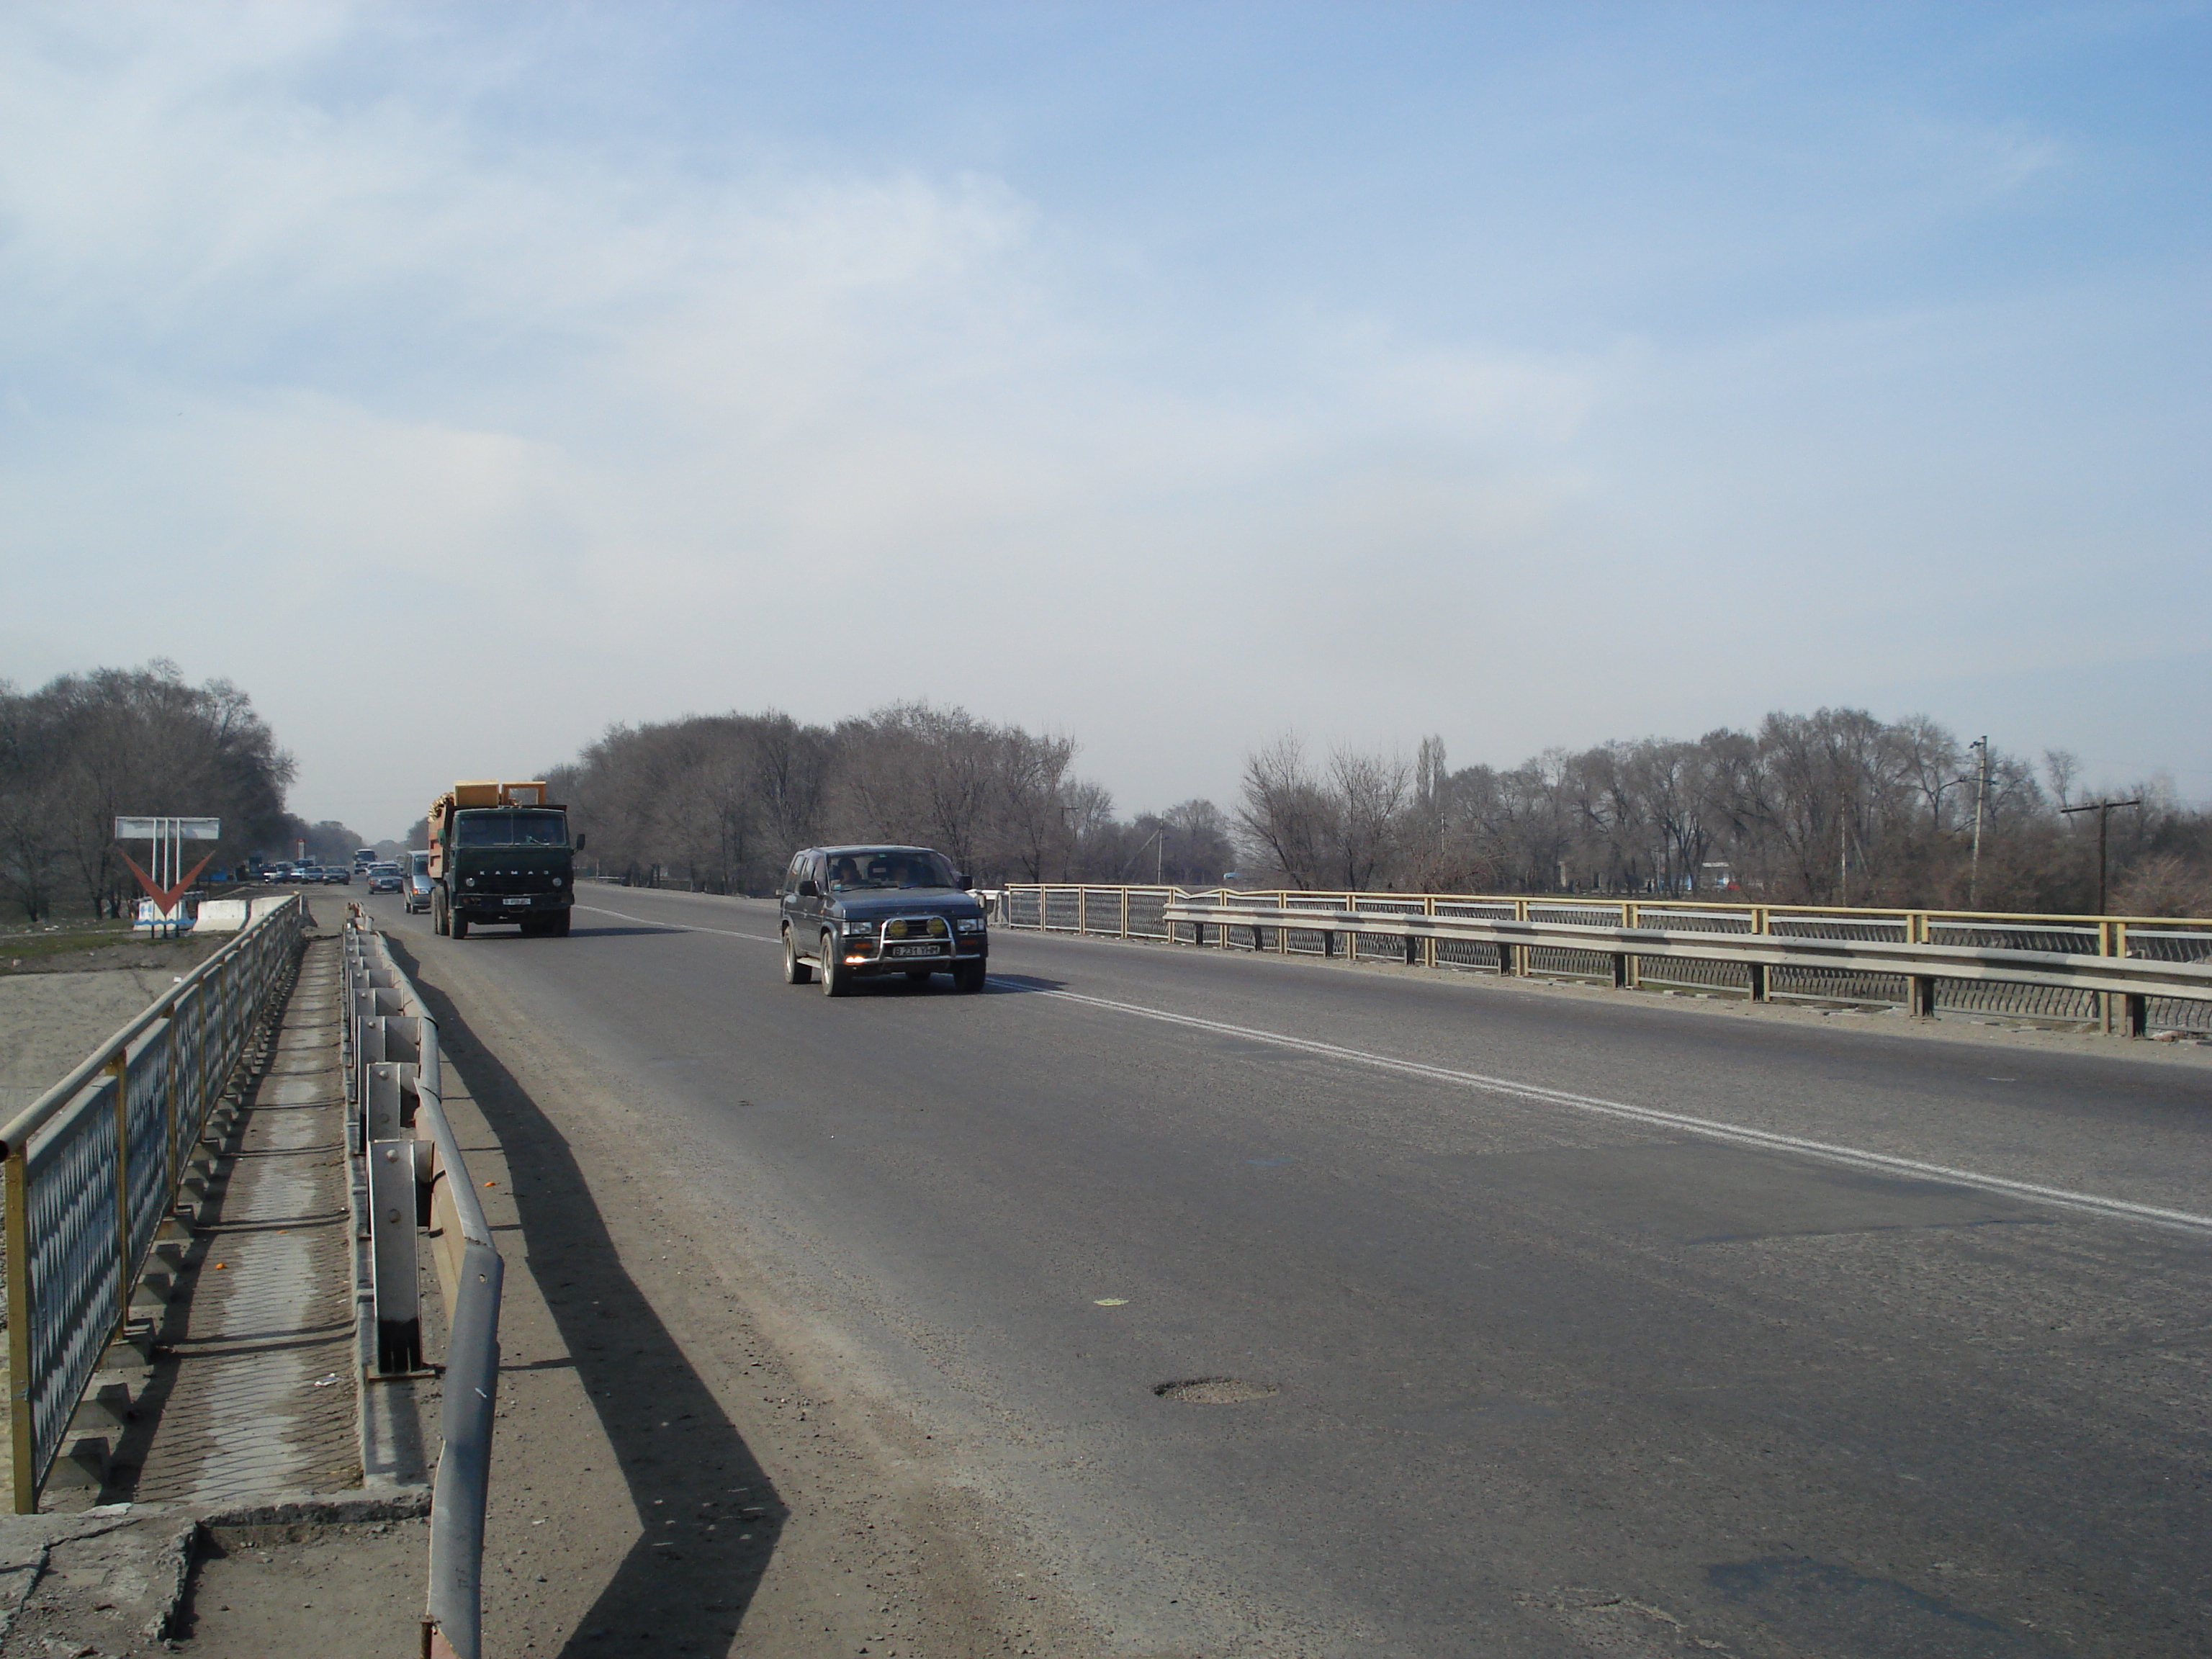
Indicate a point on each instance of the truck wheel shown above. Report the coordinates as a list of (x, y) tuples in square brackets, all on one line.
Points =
[(438, 914), (971, 976), (557, 926), (456, 923), (836, 978), (795, 972)]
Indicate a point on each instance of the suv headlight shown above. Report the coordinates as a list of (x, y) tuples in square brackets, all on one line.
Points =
[(859, 926), (968, 924)]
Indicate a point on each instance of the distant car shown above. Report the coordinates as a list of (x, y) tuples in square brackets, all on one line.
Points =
[(416, 893), (384, 878), (852, 913), (339, 875)]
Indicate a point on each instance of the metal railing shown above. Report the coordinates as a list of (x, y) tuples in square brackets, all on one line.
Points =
[(92, 1169), (409, 1177), (2146, 973)]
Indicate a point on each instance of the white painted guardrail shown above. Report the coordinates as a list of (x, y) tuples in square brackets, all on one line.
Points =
[(409, 1177), (93, 1171), (2051, 966)]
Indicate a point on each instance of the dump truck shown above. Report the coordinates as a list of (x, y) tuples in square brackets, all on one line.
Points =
[(500, 853)]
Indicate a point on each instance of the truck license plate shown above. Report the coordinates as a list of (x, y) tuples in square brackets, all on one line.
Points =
[(915, 951), (514, 901)]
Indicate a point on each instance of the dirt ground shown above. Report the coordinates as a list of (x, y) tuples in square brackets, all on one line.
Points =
[(49, 1022), (350, 1590)]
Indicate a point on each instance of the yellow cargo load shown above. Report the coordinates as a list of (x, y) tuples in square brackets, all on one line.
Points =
[(476, 794)]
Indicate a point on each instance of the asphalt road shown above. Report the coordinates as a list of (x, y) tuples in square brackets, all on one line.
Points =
[(1524, 1323)]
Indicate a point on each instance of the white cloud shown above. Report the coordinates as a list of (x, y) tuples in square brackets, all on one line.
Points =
[(298, 332)]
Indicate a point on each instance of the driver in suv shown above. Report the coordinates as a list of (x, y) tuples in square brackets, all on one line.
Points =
[(854, 912)]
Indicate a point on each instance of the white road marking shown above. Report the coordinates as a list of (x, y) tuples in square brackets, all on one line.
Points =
[(2112, 1208), (1858, 1158), (682, 927)]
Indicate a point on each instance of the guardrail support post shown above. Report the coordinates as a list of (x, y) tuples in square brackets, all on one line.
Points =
[(396, 1283), (2138, 1014), (1922, 988)]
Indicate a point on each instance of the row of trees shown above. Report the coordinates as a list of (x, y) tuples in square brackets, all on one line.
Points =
[(1835, 807), (720, 801), (85, 749), (1832, 807)]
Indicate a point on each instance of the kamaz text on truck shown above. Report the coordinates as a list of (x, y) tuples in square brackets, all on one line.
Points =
[(500, 853)]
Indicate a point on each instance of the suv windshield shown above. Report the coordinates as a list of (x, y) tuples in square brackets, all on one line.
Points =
[(889, 867), (500, 828)]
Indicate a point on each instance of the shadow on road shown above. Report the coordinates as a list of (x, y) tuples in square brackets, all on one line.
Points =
[(1015, 984), (681, 1457)]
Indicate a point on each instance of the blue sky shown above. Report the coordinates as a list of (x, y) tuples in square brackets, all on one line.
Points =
[(462, 379)]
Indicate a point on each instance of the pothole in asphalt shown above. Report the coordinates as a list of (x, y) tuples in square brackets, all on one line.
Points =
[(1215, 1391)]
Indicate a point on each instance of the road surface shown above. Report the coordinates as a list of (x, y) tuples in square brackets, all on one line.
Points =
[(1268, 1307)]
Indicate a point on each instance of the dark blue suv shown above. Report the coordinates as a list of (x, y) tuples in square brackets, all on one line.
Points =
[(854, 912)]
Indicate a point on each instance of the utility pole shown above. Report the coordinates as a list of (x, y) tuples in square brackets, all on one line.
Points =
[(2103, 809), (1981, 746)]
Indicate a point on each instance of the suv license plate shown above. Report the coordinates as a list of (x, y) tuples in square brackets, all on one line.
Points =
[(916, 950), (514, 901)]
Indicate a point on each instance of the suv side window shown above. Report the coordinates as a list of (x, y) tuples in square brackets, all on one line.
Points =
[(791, 876)]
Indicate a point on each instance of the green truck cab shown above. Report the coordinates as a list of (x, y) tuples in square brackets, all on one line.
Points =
[(500, 853)]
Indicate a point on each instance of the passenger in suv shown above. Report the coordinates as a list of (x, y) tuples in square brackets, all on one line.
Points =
[(853, 913)]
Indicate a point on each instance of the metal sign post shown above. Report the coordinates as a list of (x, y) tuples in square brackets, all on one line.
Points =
[(169, 879)]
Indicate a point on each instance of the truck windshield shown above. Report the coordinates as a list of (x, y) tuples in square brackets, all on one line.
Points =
[(497, 828), (894, 867)]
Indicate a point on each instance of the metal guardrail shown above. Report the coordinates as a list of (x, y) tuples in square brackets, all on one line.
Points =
[(2151, 972), (92, 1169), (411, 1176)]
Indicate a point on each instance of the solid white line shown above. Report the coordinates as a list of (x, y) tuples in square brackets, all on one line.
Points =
[(2118, 1209), (681, 927)]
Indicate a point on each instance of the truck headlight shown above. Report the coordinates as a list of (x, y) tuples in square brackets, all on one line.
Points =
[(557, 881)]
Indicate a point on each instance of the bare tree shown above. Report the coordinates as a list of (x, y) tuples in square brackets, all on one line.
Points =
[(1283, 815)]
